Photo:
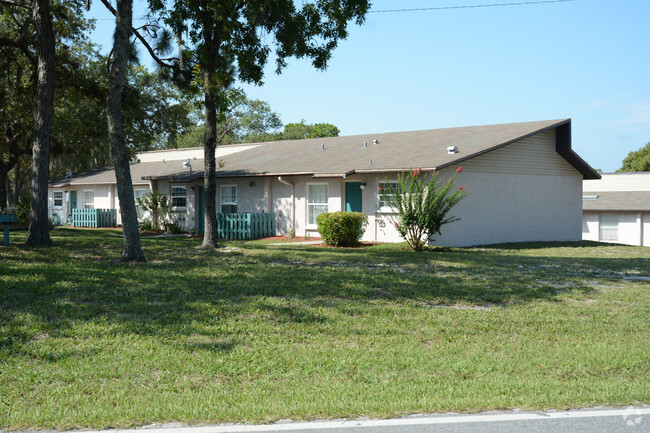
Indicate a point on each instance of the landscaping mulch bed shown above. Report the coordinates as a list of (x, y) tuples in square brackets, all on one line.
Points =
[(288, 239), (362, 245), (307, 239)]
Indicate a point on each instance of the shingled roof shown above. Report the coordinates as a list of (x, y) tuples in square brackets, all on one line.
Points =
[(343, 156), (621, 201)]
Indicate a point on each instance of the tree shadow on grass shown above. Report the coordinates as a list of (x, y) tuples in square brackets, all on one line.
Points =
[(182, 292)]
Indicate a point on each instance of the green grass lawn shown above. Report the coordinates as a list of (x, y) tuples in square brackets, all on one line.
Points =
[(267, 332)]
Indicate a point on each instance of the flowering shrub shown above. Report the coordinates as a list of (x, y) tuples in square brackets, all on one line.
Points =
[(342, 229), (157, 204), (422, 205)]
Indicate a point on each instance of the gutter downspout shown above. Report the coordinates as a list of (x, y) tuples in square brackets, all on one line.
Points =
[(293, 200)]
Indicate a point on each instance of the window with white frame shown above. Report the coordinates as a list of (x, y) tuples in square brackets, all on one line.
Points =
[(382, 194), (179, 196), (317, 197), (609, 227), (139, 193), (58, 198), (228, 198), (89, 199)]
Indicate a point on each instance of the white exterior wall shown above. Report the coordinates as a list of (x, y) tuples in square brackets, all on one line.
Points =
[(633, 227), (58, 212), (184, 218), (629, 228), (632, 181), (104, 198), (333, 203), (116, 201), (501, 208), (282, 206), (590, 226), (251, 194), (193, 153), (522, 192), (515, 208)]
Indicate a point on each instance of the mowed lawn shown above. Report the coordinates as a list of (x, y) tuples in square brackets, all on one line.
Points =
[(257, 332)]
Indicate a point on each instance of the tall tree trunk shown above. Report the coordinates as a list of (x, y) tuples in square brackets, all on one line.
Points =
[(210, 182), (210, 139), (38, 233), (121, 44), (4, 185)]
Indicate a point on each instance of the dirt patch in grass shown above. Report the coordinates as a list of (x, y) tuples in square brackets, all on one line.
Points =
[(309, 239), (289, 239), (361, 245)]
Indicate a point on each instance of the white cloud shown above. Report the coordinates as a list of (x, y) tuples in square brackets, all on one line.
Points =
[(636, 113), (598, 104)]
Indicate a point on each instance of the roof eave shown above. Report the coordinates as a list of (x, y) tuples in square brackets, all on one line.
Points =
[(563, 147)]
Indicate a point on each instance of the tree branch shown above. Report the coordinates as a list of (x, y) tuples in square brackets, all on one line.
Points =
[(16, 3), (9, 42), (137, 34), (20, 43)]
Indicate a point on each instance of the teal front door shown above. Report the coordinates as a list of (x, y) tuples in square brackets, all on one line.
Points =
[(72, 204), (353, 197)]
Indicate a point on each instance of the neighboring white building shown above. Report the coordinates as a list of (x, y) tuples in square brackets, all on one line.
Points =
[(616, 208), (525, 179)]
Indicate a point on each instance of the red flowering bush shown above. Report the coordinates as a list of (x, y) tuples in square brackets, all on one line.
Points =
[(422, 205)]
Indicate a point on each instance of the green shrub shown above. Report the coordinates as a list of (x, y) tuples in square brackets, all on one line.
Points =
[(342, 229), (174, 228), (145, 225)]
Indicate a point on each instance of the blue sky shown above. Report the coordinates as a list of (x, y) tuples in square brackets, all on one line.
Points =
[(585, 59)]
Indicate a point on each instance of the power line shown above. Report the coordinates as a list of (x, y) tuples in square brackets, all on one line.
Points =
[(472, 6), (440, 8)]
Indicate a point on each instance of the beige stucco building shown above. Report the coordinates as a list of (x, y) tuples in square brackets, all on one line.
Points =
[(525, 179)]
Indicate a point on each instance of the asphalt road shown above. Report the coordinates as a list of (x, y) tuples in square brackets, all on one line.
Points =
[(599, 420)]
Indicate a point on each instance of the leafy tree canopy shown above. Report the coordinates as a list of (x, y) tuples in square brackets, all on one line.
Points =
[(637, 160), (246, 121), (155, 112), (19, 62), (297, 131)]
